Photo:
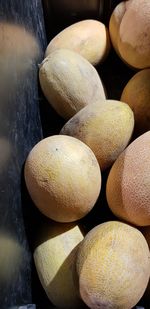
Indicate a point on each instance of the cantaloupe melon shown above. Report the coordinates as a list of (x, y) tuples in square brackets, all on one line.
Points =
[(128, 183), (63, 178), (129, 29), (69, 82), (54, 257), (113, 265), (89, 38), (136, 94), (106, 127)]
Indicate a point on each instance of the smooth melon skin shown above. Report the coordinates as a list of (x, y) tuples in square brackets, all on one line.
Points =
[(106, 127), (54, 257), (129, 30), (128, 183), (113, 265), (136, 94), (69, 82), (63, 178), (89, 38)]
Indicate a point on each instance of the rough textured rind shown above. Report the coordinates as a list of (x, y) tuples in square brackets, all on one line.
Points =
[(69, 82), (137, 95), (113, 264), (129, 29), (128, 184), (63, 178), (89, 38), (106, 127)]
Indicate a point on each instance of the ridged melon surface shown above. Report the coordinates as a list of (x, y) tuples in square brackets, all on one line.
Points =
[(69, 82)]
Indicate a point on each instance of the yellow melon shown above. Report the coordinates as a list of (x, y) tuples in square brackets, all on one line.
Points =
[(89, 38), (137, 95), (69, 82), (106, 127), (113, 265), (54, 257), (63, 178)]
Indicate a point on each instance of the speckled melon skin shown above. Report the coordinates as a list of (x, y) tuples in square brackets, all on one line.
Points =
[(63, 178), (106, 127), (89, 38), (129, 29), (136, 94), (69, 82), (128, 184), (113, 265)]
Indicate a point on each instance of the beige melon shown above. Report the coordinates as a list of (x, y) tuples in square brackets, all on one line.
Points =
[(137, 95), (128, 184), (129, 29), (54, 257), (69, 82), (89, 38), (63, 178), (106, 127), (113, 264)]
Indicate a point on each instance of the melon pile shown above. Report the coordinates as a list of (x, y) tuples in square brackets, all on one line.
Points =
[(100, 160)]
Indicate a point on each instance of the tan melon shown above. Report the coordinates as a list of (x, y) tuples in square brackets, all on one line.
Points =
[(129, 29), (69, 82), (128, 183), (114, 24), (106, 127), (54, 257), (137, 95), (89, 38), (113, 264), (63, 178)]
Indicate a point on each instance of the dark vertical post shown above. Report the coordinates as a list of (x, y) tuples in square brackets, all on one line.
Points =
[(22, 42)]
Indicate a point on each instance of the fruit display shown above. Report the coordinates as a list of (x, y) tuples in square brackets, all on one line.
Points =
[(97, 163)]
